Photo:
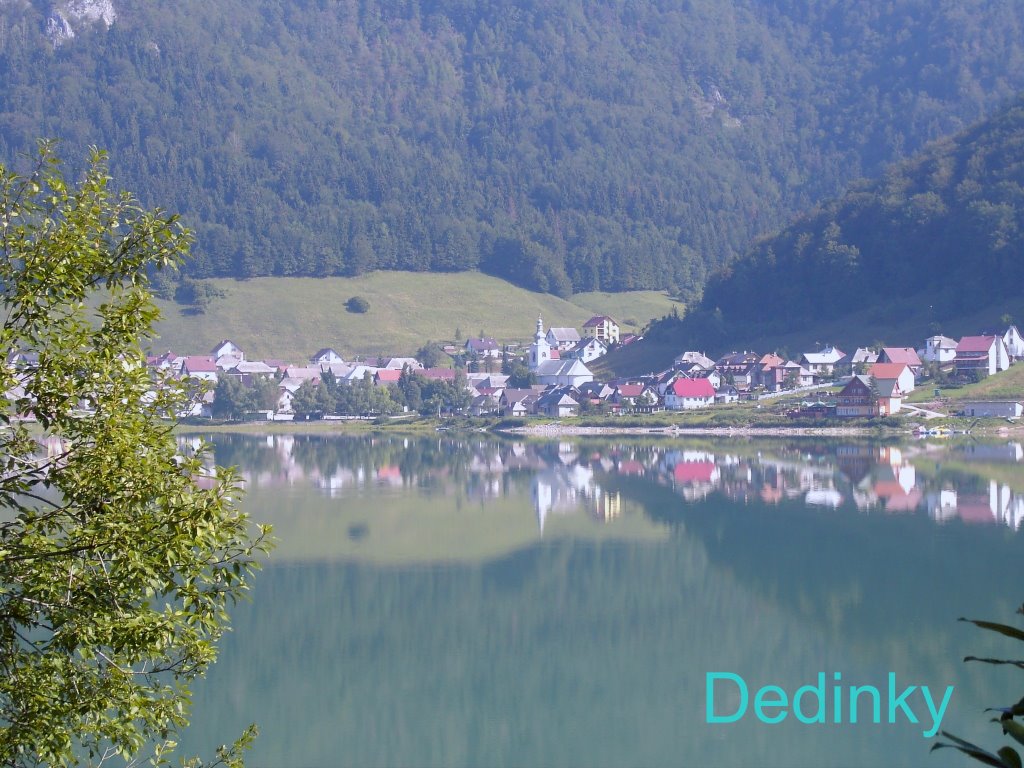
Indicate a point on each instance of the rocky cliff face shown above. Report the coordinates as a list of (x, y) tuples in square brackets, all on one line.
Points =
[(67, 15)]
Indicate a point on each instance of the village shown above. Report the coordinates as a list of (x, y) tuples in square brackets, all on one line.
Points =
[(551, 378)]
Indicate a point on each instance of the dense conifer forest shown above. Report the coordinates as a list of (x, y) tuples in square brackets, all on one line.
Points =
[(565, 145), (943, 230)]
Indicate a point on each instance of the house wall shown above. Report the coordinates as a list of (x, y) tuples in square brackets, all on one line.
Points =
[(987, 409)]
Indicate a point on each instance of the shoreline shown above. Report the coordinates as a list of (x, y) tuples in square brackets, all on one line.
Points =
[(555, 430)]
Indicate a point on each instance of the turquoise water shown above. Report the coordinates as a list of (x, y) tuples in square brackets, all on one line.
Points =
[(476, 602)]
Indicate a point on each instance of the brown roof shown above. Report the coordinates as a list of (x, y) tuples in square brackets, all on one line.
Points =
[(597, 320)]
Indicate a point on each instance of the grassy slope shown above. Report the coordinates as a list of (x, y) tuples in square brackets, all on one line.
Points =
[(290, 318)]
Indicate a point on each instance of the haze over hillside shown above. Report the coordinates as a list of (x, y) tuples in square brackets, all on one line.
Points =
[(567, 146), (937, 240)]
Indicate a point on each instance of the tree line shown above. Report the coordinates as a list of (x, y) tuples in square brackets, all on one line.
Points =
[(567, 146)]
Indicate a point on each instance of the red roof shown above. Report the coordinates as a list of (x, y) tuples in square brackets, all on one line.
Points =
[(975, 344), (388, 375), (555, 354), (631, 390), (201, 364), (901, 355), (694, 471), (887, 370), (692, 388)]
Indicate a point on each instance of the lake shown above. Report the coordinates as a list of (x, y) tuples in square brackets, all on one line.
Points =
[(467, 601)]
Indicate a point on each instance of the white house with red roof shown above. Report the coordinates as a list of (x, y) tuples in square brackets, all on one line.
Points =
[(898, 372), (688, 394), (201, 367), (905, 355), (981, 354)]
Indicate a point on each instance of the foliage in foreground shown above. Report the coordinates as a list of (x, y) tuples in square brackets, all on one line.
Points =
[(118, 555), (1007, 756)]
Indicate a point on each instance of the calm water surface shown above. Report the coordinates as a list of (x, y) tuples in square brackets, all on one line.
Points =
[(473, 602)]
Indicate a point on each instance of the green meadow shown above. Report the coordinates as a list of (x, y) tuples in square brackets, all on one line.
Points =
[(291, 318)]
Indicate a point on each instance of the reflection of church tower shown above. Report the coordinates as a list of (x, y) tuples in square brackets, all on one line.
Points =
[(540, 350)]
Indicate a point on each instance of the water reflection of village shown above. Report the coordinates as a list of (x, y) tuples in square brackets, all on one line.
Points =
[(571, 478)]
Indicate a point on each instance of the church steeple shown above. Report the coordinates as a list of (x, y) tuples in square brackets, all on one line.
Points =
[(540, 350)]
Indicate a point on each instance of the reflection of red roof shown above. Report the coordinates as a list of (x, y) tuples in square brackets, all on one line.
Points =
[(896, 498), (694, 471), (631, 468), (692, 388), (975, 510), (389, 472), (771, 495)]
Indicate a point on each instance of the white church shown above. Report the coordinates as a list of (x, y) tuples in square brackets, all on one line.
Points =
[(555, 371)]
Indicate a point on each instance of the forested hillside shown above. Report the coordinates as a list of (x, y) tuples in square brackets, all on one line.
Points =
[(565, 145), (942, 232)]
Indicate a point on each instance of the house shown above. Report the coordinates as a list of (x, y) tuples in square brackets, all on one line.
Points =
[(557, 402), (634, 395), (586, 350), (385, 376), (727, 393), (775, 374), (202, 367), (596, 392), (249, 370), (483, 347), (822, 363), (691, 358), (602, 327), (325, 356), (227, 348), (518, 402), (938, 349), (984, 409), (687, 394), (981, 354), (1014, 343), (899, 372), (739, 367), (563, 338), (904, 355), (857, 399), (484, 404), (889, 397), (303, 373), (227, 362), (862, 359)]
